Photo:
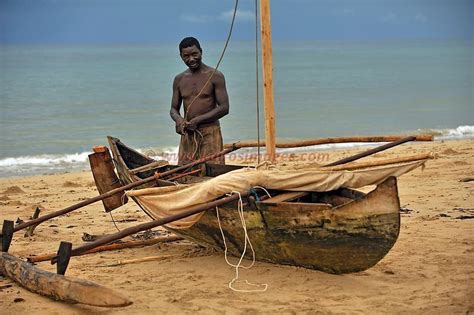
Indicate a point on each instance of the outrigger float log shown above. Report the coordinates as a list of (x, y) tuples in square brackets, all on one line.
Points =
[(59, 287)]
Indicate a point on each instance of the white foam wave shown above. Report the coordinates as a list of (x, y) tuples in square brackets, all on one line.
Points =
[(44, 159), (459, 132)]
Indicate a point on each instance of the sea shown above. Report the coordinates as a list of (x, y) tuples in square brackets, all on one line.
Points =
[(58, 101)]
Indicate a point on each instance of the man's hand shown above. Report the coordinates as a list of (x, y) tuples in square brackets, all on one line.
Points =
[(180, 125), (192, 124)]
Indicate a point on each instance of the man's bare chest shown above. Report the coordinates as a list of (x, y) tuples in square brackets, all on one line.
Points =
[(191, 86)]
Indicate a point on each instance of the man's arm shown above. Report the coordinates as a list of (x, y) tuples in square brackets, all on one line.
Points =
[(222, 100), (176, 101)]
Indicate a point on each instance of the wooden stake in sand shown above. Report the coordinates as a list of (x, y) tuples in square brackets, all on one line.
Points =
[(31, 229)]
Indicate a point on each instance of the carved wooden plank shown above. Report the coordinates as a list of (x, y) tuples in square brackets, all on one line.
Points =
[(58, 287), (105, 178)]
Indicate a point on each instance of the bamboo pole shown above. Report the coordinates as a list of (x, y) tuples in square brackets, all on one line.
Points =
[(105, 248), (310, 142), (266, 33), (120, 189)]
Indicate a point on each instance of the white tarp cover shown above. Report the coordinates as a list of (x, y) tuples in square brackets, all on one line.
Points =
[(160, 202)]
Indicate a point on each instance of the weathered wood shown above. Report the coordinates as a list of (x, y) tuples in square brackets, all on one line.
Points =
[(59, 287), (372, 151), (64, 256), (139, 260), (148, 167), (31, 229), (214, 170), (184, 174), (267, 64), (288, 196), (105, 178), (355, 166), (310, 142), (7, 235), (351, 237), (131, 244)]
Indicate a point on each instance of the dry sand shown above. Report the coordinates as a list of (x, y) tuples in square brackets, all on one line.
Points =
[(429, 270)]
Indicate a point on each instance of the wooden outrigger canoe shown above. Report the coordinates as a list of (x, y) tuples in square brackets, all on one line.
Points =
[(338, 232)]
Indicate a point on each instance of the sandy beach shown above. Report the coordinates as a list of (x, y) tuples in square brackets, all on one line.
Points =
[(429, 270)]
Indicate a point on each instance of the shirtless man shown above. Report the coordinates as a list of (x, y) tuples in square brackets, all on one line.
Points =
[(199, 128)]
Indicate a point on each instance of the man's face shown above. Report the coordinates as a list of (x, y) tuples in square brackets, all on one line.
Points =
[(192, 57)]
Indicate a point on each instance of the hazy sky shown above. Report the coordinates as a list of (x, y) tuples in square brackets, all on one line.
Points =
[(156, 21)]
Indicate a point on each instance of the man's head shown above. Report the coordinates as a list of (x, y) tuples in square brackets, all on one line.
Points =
[(191, 52), (188, 42)]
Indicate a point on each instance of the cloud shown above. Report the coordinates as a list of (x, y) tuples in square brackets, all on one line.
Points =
[(420, 17), (241, 15), (192, 18)]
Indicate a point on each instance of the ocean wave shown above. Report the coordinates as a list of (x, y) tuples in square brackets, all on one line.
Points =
[(460, 132), (45, 159)]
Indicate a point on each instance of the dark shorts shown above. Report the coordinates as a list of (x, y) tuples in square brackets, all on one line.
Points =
[(197, 145)]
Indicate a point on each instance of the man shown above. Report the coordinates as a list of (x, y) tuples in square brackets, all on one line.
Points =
[(204, 95)]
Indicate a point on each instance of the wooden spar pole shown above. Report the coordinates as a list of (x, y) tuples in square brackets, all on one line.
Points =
[(371, 151), (319, 141), (358, 166), (266, 33)]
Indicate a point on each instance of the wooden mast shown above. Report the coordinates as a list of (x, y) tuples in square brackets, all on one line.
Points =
[(266, 33)]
